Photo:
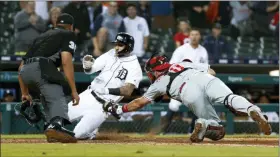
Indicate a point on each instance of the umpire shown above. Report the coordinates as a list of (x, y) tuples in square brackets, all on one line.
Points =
[(39, 71)]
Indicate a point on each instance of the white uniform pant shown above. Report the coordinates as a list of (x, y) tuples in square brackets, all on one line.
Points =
[(89, 113)]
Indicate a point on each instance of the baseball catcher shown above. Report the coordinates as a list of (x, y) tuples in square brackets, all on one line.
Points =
[(191, 84)]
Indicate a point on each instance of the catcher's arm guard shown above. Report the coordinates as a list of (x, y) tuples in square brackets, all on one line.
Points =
[(31, 111)]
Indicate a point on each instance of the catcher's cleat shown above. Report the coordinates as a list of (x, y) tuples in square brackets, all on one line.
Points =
[(261, 120), (196, 132)]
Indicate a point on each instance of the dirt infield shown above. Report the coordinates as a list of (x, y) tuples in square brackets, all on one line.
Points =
[(156, 140)]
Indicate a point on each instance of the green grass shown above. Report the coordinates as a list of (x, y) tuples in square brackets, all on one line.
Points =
[(135, 149), (171, 150)]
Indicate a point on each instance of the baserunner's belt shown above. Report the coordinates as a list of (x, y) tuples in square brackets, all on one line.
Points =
[(98, 98), (102, 101)]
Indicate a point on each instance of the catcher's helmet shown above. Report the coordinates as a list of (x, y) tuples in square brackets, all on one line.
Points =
[(127, 40), (156, 63)]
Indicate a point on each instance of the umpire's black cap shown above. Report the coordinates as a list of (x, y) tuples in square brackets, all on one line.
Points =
[(65, 18)]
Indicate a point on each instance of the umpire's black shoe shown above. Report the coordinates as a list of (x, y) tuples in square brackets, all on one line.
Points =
[(55, 132)]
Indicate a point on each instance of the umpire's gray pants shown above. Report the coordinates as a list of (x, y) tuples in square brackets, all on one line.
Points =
[(201, 92), (55, 101)]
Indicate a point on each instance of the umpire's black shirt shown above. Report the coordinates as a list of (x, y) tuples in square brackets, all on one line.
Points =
[(51, 43)]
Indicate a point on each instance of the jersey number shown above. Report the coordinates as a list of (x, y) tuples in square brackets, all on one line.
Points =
[(72, 45), (176, 68)]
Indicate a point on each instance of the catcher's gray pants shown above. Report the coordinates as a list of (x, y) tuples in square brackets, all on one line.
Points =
[(55, 101), (201, 92)]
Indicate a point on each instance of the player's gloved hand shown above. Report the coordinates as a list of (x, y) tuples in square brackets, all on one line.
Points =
[(88, 61), (102, 91), (113, 108)]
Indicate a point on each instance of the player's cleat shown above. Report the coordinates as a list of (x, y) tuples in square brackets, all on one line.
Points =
[(58, 136), (195, 136), (261, 120), (56, 133)]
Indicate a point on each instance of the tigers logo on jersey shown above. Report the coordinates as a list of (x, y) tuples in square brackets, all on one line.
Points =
[(122, 74)]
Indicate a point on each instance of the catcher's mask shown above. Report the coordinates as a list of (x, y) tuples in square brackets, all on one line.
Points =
[(31, 111), (156, 66), (124, 39)]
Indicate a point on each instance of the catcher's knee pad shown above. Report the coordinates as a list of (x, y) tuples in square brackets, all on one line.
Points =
[(228, 104), (215, 133)]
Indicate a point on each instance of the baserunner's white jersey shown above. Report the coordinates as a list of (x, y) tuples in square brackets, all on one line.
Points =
[(115, 72), (159, 87)]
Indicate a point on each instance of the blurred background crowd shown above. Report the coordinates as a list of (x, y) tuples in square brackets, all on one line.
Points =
[(229, 29)]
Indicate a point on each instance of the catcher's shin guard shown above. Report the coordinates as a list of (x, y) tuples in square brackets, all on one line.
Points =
[(55, 131)]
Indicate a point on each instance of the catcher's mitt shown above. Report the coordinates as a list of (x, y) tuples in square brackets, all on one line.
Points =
[(32, 112)]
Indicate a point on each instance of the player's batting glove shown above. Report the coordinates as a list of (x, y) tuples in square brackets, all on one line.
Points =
[(113, 108), (102, 91), (88, 61)]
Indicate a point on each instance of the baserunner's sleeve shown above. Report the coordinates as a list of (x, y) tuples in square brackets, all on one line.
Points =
[(100, 62)]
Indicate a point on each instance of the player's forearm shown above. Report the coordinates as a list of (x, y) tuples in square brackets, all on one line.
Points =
[(23, 87), (95, 43), (135, 105), (125, 90), (146, 41)]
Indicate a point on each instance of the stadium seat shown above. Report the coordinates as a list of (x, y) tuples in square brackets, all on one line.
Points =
[(245, 44), (247, 52), (268, 40), (242, 39), (269, 53), (270, 45)]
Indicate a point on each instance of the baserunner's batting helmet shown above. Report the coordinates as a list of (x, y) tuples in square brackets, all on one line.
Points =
[(127, 40)]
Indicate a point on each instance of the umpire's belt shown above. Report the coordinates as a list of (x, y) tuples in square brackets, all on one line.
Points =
[(98, 98), (35, 59)]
